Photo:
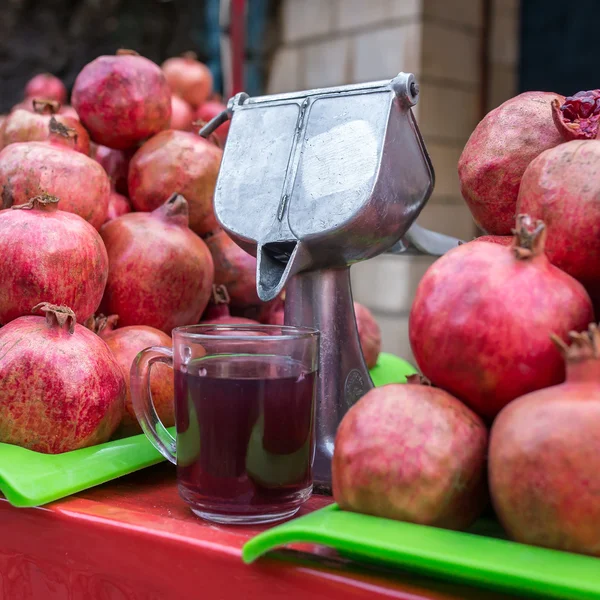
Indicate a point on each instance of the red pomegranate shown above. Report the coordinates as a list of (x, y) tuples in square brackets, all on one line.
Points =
[(116, 165), (182, 115), (482, 313), (31, 168), (578, 117), (544, 467), (60, 387), (369, 334), (176, 162), (217, 310), (411, 453), (117, 205), (160, 273), (188, 78), (498, 152), (26, 126), (209, 110), (122, 99), (235, 269), (49, 253), (268, 313), (46, 85), (562, 187), (503, 240), (125, 343)]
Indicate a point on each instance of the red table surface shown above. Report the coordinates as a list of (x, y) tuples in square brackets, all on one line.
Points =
[(135, 539)]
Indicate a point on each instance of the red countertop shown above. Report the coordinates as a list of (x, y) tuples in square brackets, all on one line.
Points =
[(135, 539)]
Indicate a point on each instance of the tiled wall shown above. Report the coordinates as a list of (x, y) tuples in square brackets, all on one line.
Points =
[(332, 42)]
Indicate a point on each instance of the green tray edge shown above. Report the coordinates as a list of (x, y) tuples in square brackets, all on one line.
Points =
[(457, 556)]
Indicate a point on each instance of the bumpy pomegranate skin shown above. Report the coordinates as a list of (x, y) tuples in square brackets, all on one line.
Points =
[(498, 152), (160, 272), (49, 254), (29, 169), (411, 453), (125, 343), (122, 99), (177, 162), (482, 313), (503, 240), (544, 466), (60, 387), (562, 187)]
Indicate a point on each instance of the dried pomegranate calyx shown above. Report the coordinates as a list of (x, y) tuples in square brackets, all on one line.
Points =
[(578, 117), (583, 345), (529, 237), (57, 315)]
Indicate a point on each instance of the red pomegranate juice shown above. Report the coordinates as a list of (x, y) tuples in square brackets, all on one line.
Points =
[(244, 436)]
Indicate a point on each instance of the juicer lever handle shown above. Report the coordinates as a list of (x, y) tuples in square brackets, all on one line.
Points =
[(419, 241), (214, 123)]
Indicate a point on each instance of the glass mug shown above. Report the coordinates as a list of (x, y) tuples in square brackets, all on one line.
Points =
[(244, 412)]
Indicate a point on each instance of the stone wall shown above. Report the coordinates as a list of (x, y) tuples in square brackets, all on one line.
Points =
[(333, 42)]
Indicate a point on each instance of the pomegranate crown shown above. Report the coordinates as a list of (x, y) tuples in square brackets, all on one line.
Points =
[(43, 106), (59, 128), (100, 323), (42, 201), (583, 345), (529, 237), (220, 295), (57, 315)]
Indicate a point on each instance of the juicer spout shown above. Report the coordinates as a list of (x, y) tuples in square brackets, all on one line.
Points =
[(276, 262)]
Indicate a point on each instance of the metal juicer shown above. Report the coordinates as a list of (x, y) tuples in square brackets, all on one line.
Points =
[(310, 183)]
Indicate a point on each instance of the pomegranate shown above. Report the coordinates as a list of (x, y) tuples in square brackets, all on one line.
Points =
[(561, 186), (544, 468), (217, 310), (44, 405), (122, 99), (31, 168), (369, 334), (188, 78), (412, 453), (235, 269), (578, 117), (503, 240), (160, 273), (49, 253), (25, 126), (117, 205), (125, 343), (116, 165), (481, 316), (182, 115), (497, 154), (209, 110), (46, 85), (177, 162)]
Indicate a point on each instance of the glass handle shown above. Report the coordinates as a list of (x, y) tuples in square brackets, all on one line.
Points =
[(141, 398)]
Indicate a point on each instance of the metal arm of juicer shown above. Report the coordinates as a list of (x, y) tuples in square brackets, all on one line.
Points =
[(419, 241)]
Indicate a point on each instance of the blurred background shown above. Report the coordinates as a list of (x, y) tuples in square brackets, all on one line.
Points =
[(469, 56)]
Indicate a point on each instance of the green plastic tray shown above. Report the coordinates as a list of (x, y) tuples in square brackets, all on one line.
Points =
[(32, 479), (478, 558)]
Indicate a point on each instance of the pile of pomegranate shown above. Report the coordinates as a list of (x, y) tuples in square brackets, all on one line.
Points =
[(109, 241), (503, 329)]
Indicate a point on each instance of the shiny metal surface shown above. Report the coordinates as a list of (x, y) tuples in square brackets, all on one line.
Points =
[(310, 183)]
